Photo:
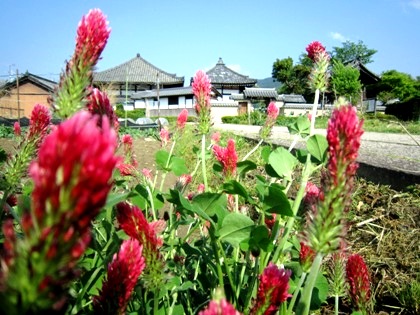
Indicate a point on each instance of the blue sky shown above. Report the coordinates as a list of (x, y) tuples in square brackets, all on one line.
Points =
[(182, 36)]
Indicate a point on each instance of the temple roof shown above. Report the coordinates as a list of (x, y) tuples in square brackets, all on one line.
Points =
[(260, 93), (366, 76), (137, 70), (222, 75), (44, 83)]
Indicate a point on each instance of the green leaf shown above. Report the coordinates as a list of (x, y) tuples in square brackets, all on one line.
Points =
[(235, 188), (245, 166), (265, 153), (317, 146), (276, 201), (283, 162), (210, 203), (301, 126), (161, 158), (114, 199), (319, 292), (236, 227), (178, 166)]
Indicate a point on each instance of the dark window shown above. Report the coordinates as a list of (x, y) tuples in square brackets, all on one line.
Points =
[(173, 100)]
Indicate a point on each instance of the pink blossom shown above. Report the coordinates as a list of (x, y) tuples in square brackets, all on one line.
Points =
[(182, 119), (39, 123), (272, 111), (227, 157), (221, 307), (164, 136), (201, 88), (123, 273), (98, 103), (215, 138), (16, 129), (183, 181), (92, 36), (201, 188), (147, 173), (306, 256), (312, 194), (344, 134), (272, 290), (315, 48), (359, 281)]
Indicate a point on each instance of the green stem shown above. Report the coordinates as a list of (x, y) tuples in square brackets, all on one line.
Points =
[(156, 302), (252, 285), (253, 150), (152, 204), (314, 109), (305, 299), (228, 270), (296, 293), (216, 256), (336, 299), (203, 161), (296, 204), (167, 165)]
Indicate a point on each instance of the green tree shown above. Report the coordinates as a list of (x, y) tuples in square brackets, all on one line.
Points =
[(398, 85), (351, 51), (345, 82), (294, 78)]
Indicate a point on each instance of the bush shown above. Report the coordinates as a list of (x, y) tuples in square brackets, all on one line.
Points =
[(409, 110), (133, 114)]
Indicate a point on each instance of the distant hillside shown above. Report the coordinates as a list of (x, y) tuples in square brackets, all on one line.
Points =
[(268, 83)]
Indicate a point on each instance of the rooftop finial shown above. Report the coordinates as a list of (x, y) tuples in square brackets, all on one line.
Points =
[(220, 62), (138, 55)]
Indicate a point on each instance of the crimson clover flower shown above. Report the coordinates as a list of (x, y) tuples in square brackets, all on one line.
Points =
[(164, 137), (215, 138), (17, 165), (227, 157), (123, 273), (272, 290), (16, 129), (318, 78), (357, 275), (182, 182), (131, 219), (92, 36), (314, 49), (272, 113), (98, 103), (219, 307), (326, 223), (69, 191), (306, 256), (128, 167), (182, 119), (201, 88)]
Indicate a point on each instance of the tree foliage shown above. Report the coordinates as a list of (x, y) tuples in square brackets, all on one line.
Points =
[(398, 85), (351, 51), (345, 81), (293, 76)]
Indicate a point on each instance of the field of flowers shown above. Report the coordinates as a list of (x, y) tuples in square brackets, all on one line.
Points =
[(85, 230)]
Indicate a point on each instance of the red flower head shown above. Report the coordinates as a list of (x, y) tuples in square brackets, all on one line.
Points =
[(135, 225), (16, 129), (227, 157), (314, 49), (221, 307), (344, 137), (306, 257), (92, 36), (147, 173), (39, 123), (359, 281), (272, 290), (312, 194), (98, 103), (201, 88), (164, 136), (123, 273), (182, 119), (215, 138), (272, 111), (67, 167)]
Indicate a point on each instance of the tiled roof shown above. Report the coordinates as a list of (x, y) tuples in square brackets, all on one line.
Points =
[(46, 84), (292, 98), (260, 93), (187, 90), (137, 70), (222, 75)]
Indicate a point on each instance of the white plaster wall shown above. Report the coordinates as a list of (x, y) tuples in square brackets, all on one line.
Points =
[(218, 112)]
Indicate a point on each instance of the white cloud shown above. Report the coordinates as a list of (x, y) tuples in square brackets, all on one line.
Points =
[(338, 36), (415, 4)]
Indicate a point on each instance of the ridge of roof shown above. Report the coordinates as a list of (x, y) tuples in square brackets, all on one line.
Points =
[(221, 74), (44, 82), (136, 69)]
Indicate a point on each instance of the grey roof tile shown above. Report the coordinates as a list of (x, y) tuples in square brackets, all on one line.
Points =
[(220, 74), (187, 90), (260, 93), (137, 70), (291, 98)]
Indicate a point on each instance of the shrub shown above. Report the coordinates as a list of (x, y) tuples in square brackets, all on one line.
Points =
[(133, 114)]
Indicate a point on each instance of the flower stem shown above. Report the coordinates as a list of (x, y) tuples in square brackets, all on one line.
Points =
[(336, 299), (253, 150), (295, 293), (305, 299), (314, 108), (203, 161)]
